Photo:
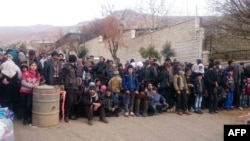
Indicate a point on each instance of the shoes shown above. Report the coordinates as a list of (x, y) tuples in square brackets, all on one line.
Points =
[(150, 114), (29, 121), (240, 108), (25, 122), (66, 119), (137, 114), (131, 114), (187, 113), (215, 112), (198, 112), (164, 108), (126, 114), (144, 114), (211, 112), (73, 117), (104, 120), (179, 113), (116, 115), (90, 122)]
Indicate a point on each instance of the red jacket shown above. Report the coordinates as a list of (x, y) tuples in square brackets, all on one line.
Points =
[(29, 80)]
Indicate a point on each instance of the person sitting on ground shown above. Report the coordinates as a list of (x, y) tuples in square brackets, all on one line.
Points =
[(142, 98), (93, 105), (110, 104), (157, 102), (103, 90)]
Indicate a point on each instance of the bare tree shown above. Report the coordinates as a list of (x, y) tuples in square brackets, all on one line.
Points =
[(234, 16), (110, 29), (152, 11)]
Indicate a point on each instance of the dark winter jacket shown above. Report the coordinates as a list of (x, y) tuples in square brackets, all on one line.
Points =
[(210, 78), (109, 101), (69, 76), (100, 68), (163, 78), (150, 74), (197, 87), (130, 82), (88, 100)]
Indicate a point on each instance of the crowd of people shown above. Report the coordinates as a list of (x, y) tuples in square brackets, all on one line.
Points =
[(139, 88)]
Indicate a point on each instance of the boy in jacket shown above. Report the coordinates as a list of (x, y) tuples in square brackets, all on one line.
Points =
[(199, 91), (110, 104), (157, 102), (130, 85)]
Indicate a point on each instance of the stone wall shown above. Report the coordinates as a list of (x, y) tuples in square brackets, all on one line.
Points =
[(186, 39), (225, 47)]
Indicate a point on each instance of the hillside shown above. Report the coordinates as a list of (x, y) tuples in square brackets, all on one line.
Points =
[(10, 35), (130, 20)]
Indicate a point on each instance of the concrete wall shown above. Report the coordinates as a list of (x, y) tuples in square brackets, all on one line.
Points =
[(186, 39), (224, 47)]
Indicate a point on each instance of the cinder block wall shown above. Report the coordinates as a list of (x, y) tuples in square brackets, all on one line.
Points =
[(186, 40)]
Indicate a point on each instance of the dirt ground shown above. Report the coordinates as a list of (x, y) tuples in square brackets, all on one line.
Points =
[(164, 127)]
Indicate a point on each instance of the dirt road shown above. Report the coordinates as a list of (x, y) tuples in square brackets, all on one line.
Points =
[(163, 127)]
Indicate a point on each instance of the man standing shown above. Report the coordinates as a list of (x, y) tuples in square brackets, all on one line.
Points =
[(70, 83), (151, 72), (100, 69), (211, 83), (52, 69)]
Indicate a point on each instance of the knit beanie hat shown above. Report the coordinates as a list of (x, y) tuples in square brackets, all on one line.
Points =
[(21, 54), (91, 84), (92, 88), (130, 66)]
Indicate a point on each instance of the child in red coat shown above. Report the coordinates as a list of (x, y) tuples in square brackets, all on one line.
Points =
[(30, 80)]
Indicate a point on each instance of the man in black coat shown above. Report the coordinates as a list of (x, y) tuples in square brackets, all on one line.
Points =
[(211, 82)]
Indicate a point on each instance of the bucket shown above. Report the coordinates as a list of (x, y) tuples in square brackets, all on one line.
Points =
[(45, 110)]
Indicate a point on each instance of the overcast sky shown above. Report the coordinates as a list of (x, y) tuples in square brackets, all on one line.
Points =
[(71, 12)]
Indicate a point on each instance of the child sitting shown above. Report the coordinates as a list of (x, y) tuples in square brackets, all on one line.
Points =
[(102, 90), (110, 104), (157, 102)]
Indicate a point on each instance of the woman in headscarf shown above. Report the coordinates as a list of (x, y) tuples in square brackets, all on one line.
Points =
[(10, 73)]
